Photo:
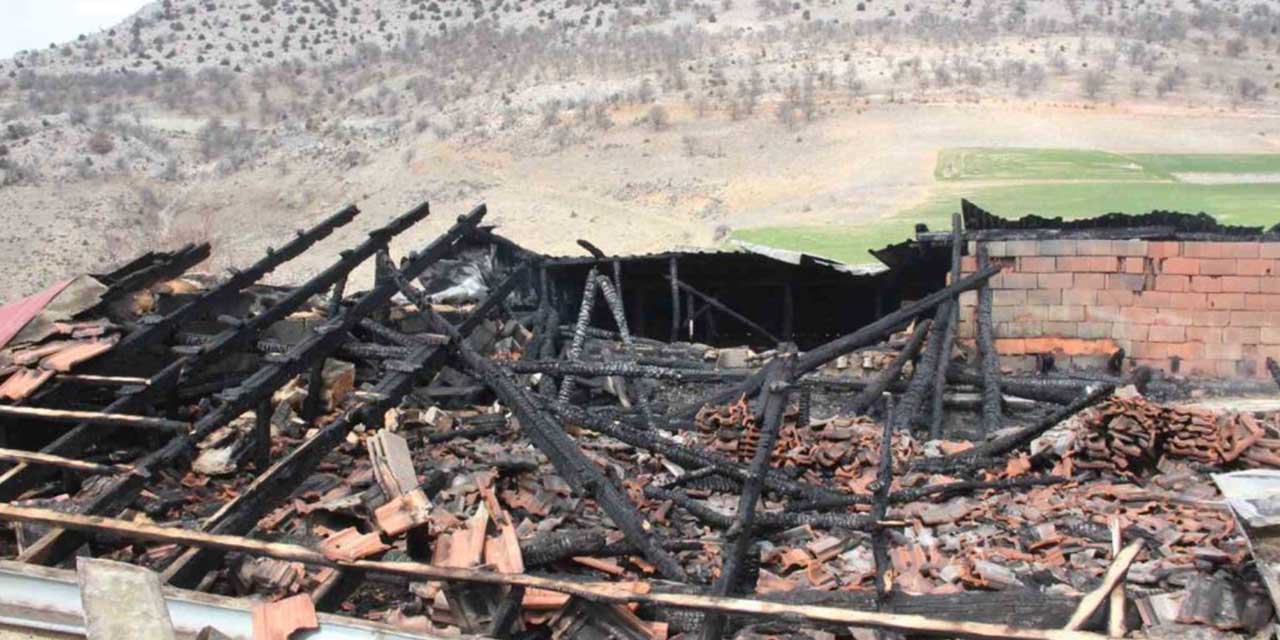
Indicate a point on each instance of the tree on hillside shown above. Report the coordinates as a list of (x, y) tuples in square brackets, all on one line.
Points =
[(1094, 83)]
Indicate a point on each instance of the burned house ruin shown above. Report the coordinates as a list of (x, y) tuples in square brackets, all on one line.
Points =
[(1018, 429)]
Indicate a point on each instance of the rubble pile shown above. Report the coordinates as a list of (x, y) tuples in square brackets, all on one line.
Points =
[(443, 454)]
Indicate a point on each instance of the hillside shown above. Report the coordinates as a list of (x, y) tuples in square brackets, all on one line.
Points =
[(639, 125)]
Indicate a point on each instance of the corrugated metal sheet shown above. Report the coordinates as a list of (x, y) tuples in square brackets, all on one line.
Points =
[(16, 315)]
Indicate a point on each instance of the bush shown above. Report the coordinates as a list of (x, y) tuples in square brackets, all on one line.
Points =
[(100, 144), (658, 118)]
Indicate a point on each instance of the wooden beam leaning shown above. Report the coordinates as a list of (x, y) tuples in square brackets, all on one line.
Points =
[(596, 591), (869, 334), (96, 418), (73, 443), (727, 310), (241, 514), (121, 491), (992, 409)]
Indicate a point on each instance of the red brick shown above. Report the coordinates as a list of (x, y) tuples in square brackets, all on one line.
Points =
[(1262, 302), (1241, 284), (1013, 280), (968, 298), (1207, 335), (1218, 267), (1090, 281), (1044, 296), (1226, 300), (968, 264), (1055, 280), (1241, 335), (1102, 313), (1164, 249), (1270, 335), (1257, 267), (1021, 248), (1161, 333), (967, 330), (1206, 284), (1181, 266), (1094, 248), (1080, 296), (1071, 347), (1011, 346), (1249, 318), (1186, 350), (1133, 265), (1138, 315), (1130, 331), (1172, 317), (1115, 297), (1066, 313), (1198, 366), (1093, 330), (1057, 247), (1094, 264), (1126, 281), (1008, 297), (1227, 368), (1269, 250), (1189, 300), (1059, 328), (1037, 264), (1209, 318), (1173, 283), (1154, 299), (1197, 249), (1129, 247), (1027, 313), (1269, 285), (1024, 329)]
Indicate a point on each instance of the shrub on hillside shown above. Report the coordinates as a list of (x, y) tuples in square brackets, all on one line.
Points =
[(100, 143)]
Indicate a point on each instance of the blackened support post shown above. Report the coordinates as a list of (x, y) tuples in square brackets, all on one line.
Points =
[(740, 535), (674, 275), (990, 360), (580, 330), (948, 336)]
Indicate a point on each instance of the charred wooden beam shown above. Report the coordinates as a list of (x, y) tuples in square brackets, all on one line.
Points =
[(873, 391), (740, 534), (765, 520), (990, 453), (147, 271), (1274, 368), (580, 331), (102, 381), (687, 456), (586, 369), (727, 310), (880, 503), (948, 336), (550, 438), (869, 334), (673, 275), (96, 418), (240, 515), (614, 301), (593, 591), (80, 466), (119, 492), (911, 407), (73, 442), (990, 365)]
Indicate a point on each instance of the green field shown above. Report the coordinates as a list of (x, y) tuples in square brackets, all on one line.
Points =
[(1050, 182)]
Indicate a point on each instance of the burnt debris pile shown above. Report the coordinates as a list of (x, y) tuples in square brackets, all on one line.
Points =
[(495, 442)]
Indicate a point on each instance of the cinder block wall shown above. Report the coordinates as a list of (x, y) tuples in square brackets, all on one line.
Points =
[(1212, 306)]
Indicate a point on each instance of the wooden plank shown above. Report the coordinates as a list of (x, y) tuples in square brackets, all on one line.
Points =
[(36, 457), (94, 417), (1115, 574), (620, 593), (392, 464)]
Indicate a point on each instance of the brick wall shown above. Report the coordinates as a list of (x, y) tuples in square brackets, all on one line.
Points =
[(1214, 306)]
